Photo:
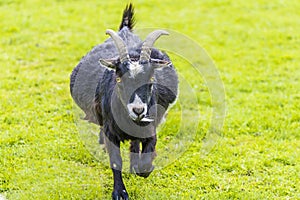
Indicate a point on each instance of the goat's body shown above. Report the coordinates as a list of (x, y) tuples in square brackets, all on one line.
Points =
[(95, 90), (89, 73)]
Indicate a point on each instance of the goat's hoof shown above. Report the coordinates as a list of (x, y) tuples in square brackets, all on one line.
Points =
[(120, 195), (141, 171), (145, 172)]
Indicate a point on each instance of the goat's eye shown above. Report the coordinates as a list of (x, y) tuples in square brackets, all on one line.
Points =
[(152, 79), (118, 79)]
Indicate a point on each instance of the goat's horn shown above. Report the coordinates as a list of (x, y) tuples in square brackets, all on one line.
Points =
[(148, 43), (119, 44)]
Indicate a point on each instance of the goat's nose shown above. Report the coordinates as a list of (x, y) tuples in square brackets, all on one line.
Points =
[(138, 111)]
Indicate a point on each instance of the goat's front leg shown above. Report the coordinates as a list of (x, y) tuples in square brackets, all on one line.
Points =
[(148, 154), (134, 155), (113, 148)]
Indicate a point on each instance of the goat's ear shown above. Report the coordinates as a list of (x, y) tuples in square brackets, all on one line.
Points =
[(110, 63), (156, 63)]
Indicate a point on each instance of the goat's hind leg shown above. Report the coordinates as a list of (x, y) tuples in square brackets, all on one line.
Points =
[(101, 139), (101, 136)]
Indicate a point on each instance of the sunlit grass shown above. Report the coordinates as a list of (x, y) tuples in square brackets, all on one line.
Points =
[(255, 45)]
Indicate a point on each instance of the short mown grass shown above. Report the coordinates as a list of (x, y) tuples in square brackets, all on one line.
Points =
[(255, 46)]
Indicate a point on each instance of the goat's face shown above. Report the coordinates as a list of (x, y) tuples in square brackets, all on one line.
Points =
[(135, 79), (135, 89)]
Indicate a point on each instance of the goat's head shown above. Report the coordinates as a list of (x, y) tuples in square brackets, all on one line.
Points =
[(135, 78)]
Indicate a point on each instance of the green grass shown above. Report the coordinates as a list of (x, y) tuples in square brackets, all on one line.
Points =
[(255, 46)]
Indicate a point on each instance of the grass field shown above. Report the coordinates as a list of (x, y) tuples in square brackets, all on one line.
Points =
[(255, 46)]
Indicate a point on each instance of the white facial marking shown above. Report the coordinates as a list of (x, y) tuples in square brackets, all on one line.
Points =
[(149, 97), (135, 68), (137, 103)]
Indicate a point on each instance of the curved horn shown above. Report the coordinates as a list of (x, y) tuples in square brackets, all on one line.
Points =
[(148, 43), (119, 44)]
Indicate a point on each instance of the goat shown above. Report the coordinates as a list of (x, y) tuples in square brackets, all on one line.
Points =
[(126, 86)]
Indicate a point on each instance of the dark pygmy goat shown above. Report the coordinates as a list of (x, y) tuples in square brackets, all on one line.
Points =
[(126, 86)]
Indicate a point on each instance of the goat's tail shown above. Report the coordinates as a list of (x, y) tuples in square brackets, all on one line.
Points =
[(128, 17)]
